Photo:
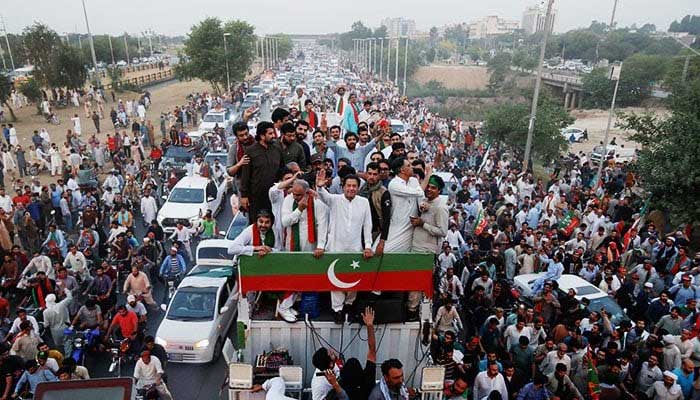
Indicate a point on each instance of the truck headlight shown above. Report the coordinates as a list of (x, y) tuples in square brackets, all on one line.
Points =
[(161, 341), (202, 344)]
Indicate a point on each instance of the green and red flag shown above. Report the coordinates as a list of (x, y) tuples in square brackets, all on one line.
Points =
[(481, 223), (336, 272), (593, 381), (569, 223)]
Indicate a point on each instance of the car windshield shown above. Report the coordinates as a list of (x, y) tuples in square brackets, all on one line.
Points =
[(397, 128), (217, 253), (214, 118), (193, 304), (236, 227), (179, 154), (187, 196), (611, 307)]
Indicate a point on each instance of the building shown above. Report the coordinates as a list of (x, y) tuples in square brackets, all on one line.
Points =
[(399, 26), (491, 25), (535, 17)]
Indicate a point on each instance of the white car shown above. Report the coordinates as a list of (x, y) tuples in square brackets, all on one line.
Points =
[(398, 127), (199, 316), (212, 253), (189, 200), (220, 118), (597, 297), (572, 134)]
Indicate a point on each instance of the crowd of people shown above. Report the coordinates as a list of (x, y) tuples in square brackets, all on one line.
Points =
[(311, 183)]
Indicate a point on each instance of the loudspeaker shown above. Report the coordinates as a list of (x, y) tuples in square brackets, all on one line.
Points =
[(388, 307)]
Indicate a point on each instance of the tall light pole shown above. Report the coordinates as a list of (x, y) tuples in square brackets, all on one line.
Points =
[(405, 66), (262, 51), (126, 50), (228, 78), (614, 74), (388, 59), (538, 83), (111, 49), (92, 44), (396, 71), (381, 56), (7, 42)]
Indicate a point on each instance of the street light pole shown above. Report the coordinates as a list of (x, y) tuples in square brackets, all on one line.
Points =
[(150, 45), (92, 44), (228, 77), (396, 71), (262, 51), (126, 50), (538, 83), (388, 58), (405, 67), (381, 56), (614, 74), (7, 42), (111, 49)]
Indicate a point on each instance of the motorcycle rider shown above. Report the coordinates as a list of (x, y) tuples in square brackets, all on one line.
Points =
[(89, 242), (39, 262), (56, 236), (150, 253), (173, 266), (149, 371), (101, 289), (137, 284), (133, 304), (77, 264)]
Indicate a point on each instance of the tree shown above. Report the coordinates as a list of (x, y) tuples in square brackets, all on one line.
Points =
[(70, 68), (115, 76), (524, 59), (204, 49), (689, 23), (380, 32), (666, 163), (458, 34), (674, 73), (639, 73), (284, 45), (434, 36), (499, 67), (42, 45), (5, 93), (358, 30), (32, 90), (508, 123)]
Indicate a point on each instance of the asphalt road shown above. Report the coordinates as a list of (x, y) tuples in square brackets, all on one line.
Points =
[(185, 381)]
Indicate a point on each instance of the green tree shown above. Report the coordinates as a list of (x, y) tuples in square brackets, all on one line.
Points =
[(458, 34), (115, 76), (499, 67), (42, 45), (70, 68), (32, 89), (284, 45), (689, 23), (5, 93), (674, 73), (508, 123), (667, 161), (204, 51), (522, 58), (358, 30), (380, 32)]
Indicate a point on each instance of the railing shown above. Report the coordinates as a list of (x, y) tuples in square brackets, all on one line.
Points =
[(574, 80), (154, 77), (131, 68)]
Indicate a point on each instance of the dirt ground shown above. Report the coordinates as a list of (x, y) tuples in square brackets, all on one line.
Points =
[(454, 76), (164, 98), (596, 121)]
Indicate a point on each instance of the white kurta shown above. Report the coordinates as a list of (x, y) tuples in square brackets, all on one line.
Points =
[(243, 243), (276, 198), (13, 136), (149, 208), (404, 203), (76, 125), (291, 217), (348, 221)]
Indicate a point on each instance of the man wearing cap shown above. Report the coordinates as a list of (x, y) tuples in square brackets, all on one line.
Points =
[(684, 290), (137, 307), (667, 389)]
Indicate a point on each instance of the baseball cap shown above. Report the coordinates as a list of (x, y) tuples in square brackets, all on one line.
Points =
[(130, 298)]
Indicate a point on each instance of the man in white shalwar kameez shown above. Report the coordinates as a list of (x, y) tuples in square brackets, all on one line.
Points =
[(277, 193), (405, 192), (149, 208), (350, 219), (299, 235)]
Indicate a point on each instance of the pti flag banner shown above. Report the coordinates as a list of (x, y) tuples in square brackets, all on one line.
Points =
[(481, 223), (569, 223), (299, 271)]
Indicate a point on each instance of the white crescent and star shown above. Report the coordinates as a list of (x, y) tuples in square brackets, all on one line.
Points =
[(337, 282)]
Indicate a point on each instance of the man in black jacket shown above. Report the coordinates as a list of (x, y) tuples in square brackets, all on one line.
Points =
[(379, 204), (261, 172)]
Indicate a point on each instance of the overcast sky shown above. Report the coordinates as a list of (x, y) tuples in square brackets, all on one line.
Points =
[(174, 17)]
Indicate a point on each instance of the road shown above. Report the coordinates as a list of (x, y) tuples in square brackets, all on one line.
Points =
[(186, 381)]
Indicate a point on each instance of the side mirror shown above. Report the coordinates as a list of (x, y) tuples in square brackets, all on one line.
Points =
[(164, 197), (163, 307), (223, 309), (210, 199), (53, 212), (222, 233)]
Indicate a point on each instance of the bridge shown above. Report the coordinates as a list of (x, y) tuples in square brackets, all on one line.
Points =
[(571, 87)]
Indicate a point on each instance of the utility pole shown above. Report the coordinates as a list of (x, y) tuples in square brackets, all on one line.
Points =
[(371, 66), (92, 44), (111, 49), (405, 67), (228, 77), (396, 69), (538, 83), (388, 58), (262, 52), (7, 42), (126, 50), (381, 56), (614, 74), (150, 45), (612, 17)]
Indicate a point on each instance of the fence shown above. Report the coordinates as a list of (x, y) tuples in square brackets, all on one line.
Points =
[(155, 77), (131, 68)]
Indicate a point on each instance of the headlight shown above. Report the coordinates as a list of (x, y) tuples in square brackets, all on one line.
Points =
[(161, 341), (202, 344)]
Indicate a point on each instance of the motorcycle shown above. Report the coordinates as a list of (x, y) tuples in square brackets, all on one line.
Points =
[(78, 343), (120, 350)]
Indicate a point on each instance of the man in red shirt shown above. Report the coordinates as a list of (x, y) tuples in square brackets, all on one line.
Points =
[(21, 198), (127, 321)]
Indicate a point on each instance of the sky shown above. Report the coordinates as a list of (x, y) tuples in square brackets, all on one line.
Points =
[(175, 17)]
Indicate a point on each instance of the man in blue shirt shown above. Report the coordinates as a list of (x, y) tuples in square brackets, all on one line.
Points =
[(685, 377), (173, 264), (535, 390), (33, 376)]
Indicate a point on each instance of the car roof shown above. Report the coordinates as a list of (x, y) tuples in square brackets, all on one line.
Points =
[(199, 281), (211, 271), (566, 282), (192, 181)]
